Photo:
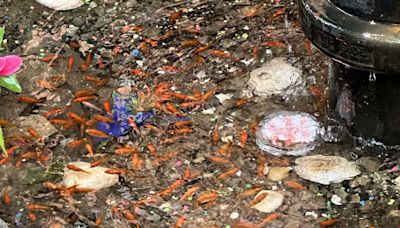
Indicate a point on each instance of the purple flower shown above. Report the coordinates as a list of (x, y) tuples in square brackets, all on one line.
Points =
[(9, 65)]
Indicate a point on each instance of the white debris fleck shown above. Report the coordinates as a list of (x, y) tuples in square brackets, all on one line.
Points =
[(234, 215), (209, 111), (336, 200), (311, 214), (223, 97)]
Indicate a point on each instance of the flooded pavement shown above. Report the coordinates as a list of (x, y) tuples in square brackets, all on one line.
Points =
[(156, 92)]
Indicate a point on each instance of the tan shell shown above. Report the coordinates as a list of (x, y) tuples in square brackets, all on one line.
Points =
[(61, 4), (94, 178), (325, 169), (270, 203)]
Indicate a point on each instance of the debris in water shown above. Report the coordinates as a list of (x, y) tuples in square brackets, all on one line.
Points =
[(288, 133), (270, 202), (325, 169), (276, 77), (93, 178)]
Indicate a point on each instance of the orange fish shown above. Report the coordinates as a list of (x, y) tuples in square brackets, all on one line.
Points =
[(219, 160), (189, 193), (137, 162), (89, 148), (182, 123), (53, 112), (28, 99), (174, 16), (97, 163), (152, 149), (179, 222), (103, 118), (76, 168), (107, 107), (249, 192), (227, 174), (33, 133), (269, 219), (6, 198), (32, 216), (201, 49), (84, 93), (294, 184), (126, 150), (87, 98), (116, 171), (225, 149), (328, 222), (242, 138), (38, 207), (97, 133), (191, 104), (76, 117), (70, 64), (76, 143), (278, 44), (190, 43), (128, 215), (207, 198), (215, 135)]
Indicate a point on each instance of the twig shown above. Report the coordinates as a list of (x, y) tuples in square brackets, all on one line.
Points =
[(56, 54)]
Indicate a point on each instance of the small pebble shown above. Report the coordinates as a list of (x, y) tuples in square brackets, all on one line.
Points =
[(234, 215)]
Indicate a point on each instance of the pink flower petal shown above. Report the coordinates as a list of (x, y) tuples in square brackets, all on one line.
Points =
[(13, 63), (2, 63)]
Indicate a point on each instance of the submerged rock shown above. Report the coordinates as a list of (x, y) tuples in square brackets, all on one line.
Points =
[(21, 124), (61, 4), (325, 169), (272, 201), (277, 77), (93, 178), (278, 173)]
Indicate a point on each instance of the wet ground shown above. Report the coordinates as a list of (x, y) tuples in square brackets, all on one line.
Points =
[(147, 44)]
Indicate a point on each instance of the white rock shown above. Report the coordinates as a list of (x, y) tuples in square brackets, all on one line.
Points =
[(397, 182), (325, 169), (223, 97), (270, 203), (234, 215), (61, 4), (94, 178), (336, 200), (278, 173), (276, 77)]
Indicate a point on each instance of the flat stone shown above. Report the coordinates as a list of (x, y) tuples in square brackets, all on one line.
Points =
[(93, 178), (277, 77), (325, 169), (37, 70), (278, 173), (39, 123), (270, 203)]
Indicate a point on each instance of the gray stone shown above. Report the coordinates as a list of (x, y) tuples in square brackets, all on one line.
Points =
[(34, 71), (131, 3), (371, 164), (360, 181), (39, 123), (92, 4)]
